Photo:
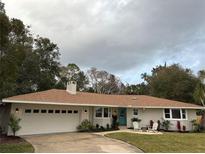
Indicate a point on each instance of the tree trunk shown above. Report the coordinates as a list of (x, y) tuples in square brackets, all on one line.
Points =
[(203, 120)]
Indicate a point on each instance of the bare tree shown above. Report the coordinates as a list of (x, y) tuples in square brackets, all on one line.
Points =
[(72, 72), (103, 82)]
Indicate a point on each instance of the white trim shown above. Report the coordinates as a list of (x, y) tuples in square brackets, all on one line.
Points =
[(170, 110), (54, 103), (79, 104)]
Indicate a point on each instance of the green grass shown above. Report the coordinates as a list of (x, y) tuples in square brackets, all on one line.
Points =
[(16, 147), (167, 142)]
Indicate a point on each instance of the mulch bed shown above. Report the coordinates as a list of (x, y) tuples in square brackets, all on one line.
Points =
[(4, 139)]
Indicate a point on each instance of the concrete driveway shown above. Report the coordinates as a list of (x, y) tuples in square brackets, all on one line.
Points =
[(78, 143)]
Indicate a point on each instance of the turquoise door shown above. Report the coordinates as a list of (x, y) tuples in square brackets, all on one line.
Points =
[(122, 114)]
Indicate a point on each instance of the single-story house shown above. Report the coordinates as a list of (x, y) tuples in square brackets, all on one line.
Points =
[(56, 110)]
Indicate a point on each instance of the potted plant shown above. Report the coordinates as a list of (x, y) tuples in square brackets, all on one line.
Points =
[(159, 125), (151, 122), (184, 128), (115, 124), (136, 123), (179, 126)]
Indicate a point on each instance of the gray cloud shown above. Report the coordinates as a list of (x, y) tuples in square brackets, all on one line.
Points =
[(121, 36)]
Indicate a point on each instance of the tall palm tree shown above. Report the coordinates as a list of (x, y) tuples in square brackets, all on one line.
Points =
[(201, 75), (199, 94)]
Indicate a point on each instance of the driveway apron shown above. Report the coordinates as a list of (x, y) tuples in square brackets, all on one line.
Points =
[(78, 143)]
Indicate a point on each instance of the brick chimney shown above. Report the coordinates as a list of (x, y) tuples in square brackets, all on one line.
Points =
[(71, 87)]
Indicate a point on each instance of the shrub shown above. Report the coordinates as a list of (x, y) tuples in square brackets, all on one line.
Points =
[(166, 124), (14, 124), (102, 128), (136, 119), (85, 126), (115, 125), (200, 112), (184, 128), (97, 126), (108, 126), (1, 130), (196, 126)]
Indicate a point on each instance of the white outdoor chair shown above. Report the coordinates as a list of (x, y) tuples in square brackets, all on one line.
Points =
[(154, 127), (136, 126)]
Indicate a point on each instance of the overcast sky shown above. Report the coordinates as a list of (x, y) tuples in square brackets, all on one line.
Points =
[(125, 37)]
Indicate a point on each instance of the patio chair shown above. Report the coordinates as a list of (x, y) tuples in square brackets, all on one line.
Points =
[(154, 127), (136, 126)]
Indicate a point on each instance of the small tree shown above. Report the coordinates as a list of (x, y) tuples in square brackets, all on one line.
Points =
[(14, 124)]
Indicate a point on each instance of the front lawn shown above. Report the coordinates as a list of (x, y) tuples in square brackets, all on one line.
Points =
[(14, 145), (167, 142)]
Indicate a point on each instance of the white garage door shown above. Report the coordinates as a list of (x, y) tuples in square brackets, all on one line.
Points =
[(43, 119)]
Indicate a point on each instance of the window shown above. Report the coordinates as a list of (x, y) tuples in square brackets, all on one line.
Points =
[(135, 112), (167, 113), (175, 114), (63, 111), (101, 112), (105, 112), (36, 111), (43, 111), (57, 111), (27, 110), (75, 111), (109, 112), (98, 112), (50, 111), (183, 114), (69, 111)]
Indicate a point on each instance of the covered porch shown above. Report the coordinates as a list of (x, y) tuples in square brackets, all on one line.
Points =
[(103, 116)]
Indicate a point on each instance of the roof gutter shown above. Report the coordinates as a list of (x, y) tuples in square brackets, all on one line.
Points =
[(104, 105)]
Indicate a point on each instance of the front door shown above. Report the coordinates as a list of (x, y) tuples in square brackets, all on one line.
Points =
[(122, 114)]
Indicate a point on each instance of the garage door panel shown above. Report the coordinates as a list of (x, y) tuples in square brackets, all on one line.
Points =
[(40, 123)]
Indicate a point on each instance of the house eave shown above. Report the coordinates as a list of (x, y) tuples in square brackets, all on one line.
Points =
[(95, 105)]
